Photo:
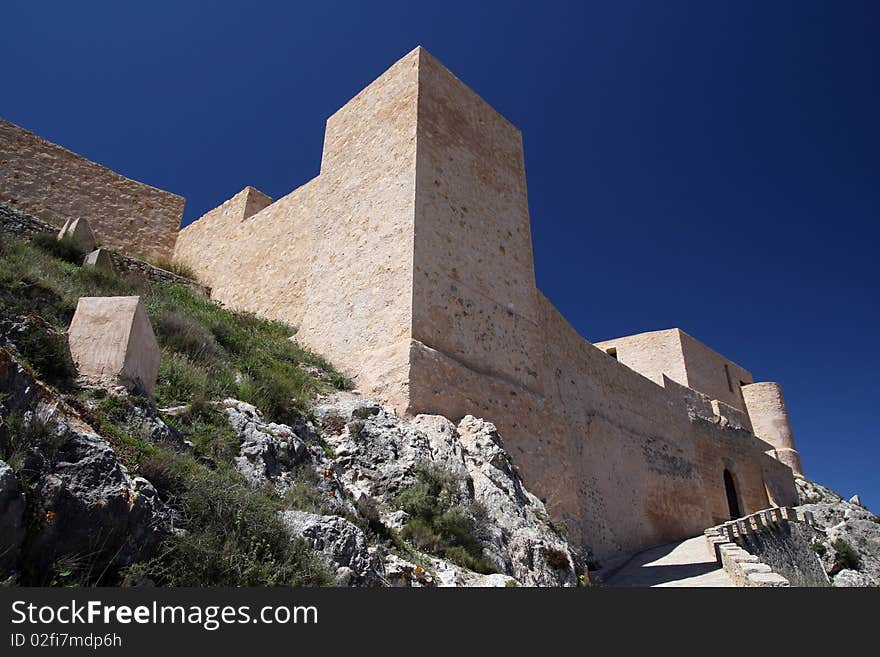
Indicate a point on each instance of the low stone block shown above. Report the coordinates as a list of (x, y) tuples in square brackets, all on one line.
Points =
[(767, 579), (99, 259), (112, 344), (80, 231)]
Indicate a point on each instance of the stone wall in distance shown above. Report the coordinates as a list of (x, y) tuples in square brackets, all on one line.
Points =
[(54, 184)]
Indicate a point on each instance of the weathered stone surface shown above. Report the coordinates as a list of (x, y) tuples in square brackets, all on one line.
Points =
[(83, 502), (12, 527), (278, 455), (80, 231), (848, 537), (113, 344), (342, 544), (401, 573), (99, 259), (378, 454), (52, 183)]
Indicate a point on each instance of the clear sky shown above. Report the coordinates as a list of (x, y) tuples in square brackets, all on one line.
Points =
[(708, 165)]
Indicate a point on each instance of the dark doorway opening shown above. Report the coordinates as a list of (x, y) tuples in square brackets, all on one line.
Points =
[(732, 499)]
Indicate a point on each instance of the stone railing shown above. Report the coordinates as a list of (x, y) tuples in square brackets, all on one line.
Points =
[(745, 568), (25, 226)]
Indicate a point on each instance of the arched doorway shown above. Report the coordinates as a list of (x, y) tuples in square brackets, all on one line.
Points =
[(732, 498)]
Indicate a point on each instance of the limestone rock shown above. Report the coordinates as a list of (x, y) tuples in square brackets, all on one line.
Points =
[(80, 231), (342, 544), (112, 343), (401, 573), (83, 502), (12, 527), (848, 541), (378, 454), (277, 454), (522, 538), (855, 499), (99, 259)]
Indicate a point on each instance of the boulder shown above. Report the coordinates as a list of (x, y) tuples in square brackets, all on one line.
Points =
[(12, 525), (342, 544), (112, 344), (80, 231), (848, 540), (855, 499), (82, 502)]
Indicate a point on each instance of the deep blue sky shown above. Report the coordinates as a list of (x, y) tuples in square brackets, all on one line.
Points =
[(707, 165)]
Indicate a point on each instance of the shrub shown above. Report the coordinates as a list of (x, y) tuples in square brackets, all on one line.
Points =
[(66, 248), (45, 351), (175, 267), (556, 559), (208, 429), (278, 397), (443, 520), (179, 380), (18, 436), (846, 554), (819, 548)]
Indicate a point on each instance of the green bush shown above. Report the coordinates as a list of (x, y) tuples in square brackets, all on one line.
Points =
[(18, 436), (443, 520), (66, 248), (846, 554), (45, 351)]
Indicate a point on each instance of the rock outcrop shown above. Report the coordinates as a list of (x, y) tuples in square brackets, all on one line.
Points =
[(83, 506), (378, 454), (12, 507), (342, 544), (848, 542)]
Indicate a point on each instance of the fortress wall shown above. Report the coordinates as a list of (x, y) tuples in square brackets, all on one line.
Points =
[(333, 257), (54, 184), (707, 371), (609, 451), (474, 282)]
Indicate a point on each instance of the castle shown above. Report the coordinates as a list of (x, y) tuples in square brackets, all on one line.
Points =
[(408, 263)]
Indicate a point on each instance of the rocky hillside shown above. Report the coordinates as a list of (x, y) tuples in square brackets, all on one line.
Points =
[(251, 466), (848, 535)]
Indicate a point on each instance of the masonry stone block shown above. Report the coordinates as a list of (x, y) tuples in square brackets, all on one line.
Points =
[(99, 259), (112, 344), (80, 231)]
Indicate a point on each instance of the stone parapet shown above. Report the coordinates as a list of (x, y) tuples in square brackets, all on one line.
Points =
[(744, 567)]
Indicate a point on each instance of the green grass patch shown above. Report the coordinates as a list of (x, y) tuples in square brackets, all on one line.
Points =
[(208, 352), (231, 533)]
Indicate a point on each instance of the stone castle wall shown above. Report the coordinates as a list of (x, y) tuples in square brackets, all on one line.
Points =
[(50, 182), (334, 257), (408, 262)]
